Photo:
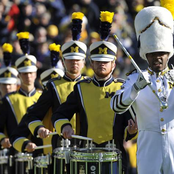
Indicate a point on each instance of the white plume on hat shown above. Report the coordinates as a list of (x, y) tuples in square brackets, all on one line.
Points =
[(24, 68), (154, 30), (8, 75)]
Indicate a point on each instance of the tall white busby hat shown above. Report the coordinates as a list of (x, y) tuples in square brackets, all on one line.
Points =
[(104, 50), (53, 72), (154, 30), (26, 63), (75, 49), (8, 75)]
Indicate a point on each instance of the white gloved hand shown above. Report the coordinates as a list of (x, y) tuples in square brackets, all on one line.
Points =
[(142, 81)]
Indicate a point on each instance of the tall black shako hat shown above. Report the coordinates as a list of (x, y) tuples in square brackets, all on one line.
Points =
[(26, 63), (103, 50), (52, 72), (75, 49), (8, 75)]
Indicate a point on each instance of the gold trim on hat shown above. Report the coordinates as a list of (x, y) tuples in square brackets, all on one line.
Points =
[(156, 18)]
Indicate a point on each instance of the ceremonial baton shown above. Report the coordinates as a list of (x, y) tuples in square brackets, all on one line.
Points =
[(163, 104)]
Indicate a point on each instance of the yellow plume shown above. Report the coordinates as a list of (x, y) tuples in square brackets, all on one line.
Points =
[(54, 47), (23, 35), (106, 16), (77, 15), (169, 4), (6, 47)]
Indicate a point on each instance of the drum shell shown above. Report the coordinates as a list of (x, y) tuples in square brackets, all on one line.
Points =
[(4, 156), (61, 160), (42, 161), (23, 163), (95, 160)]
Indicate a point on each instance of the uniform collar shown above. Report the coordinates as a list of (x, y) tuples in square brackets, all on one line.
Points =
[(72, 80), (21, 91), (151, 72), (102, 83)]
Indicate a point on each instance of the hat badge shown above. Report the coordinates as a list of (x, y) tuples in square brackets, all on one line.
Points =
[(27, 63), (54, 76), (74, 49), (7, 74), (102, 50)]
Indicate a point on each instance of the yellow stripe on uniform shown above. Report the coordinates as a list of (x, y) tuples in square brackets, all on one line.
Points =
[(58, 125), (125, 134), (32, 125), (18, 143), (47, 141), (2, 136)]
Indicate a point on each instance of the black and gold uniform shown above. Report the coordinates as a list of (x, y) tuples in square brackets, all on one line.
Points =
[(39, 114), (91, 99), (15, 106)]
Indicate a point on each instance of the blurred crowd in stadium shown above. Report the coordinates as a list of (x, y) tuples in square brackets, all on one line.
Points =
[(49, 21)]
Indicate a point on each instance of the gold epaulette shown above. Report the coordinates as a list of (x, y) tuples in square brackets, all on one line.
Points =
[(118, 80), (132, 71), (39, 90)]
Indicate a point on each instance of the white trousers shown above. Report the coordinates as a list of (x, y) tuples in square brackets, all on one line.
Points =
[(155, 154)]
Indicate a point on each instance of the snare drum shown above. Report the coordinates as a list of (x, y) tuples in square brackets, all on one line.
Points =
[(23, 163), (95, 160), (3, 160), (61, 157), (41, 164), (4, 156)]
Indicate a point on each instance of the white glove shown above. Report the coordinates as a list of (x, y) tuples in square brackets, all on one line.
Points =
[(142, 81)]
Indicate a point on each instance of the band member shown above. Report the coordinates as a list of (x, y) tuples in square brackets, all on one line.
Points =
[(56, 91), (8, 75), (15, 104), (19, 136), (154, 30), (8, 84), (90, 98)]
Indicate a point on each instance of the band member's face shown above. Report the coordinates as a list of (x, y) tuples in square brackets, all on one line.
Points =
[(157, 60), (102, 69), (7, 88), (74, 66), (27, 78)]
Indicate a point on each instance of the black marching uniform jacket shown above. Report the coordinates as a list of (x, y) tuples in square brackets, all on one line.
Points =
[(91, 99), (39, 114)]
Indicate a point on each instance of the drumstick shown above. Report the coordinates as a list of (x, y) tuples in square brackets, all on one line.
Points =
[(41, 147), (81, 137), (73, 136), (51, 133)]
